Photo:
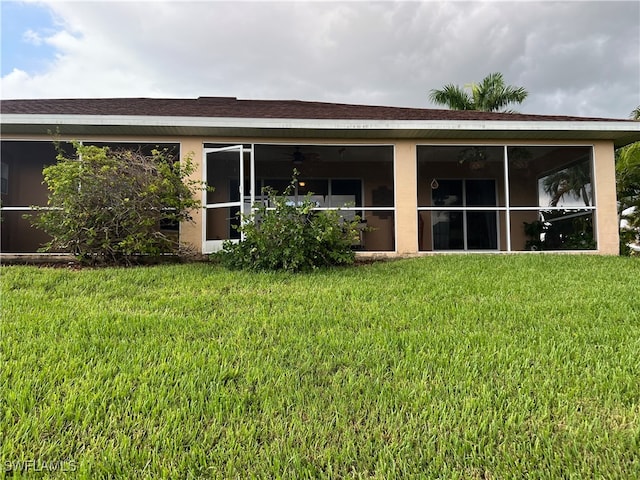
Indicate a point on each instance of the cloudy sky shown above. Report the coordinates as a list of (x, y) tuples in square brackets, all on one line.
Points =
[(575, 58)]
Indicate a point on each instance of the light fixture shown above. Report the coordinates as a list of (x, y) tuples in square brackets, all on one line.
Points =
[(475, 157), (298, 157)]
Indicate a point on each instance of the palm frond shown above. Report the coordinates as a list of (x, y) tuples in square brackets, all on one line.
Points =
[(453, 97), (490, 95)]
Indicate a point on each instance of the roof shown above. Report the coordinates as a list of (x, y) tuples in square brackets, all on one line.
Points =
[(231, 116), (234, 108)]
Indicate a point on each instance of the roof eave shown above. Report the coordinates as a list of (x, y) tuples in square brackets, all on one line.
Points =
[(621, 133)]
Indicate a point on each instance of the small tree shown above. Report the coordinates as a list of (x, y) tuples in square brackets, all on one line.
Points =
[(291, 236), (108, 205)]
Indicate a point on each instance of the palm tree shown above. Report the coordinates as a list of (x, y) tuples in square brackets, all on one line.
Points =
[(635, 114), (569, 181), (490, 95)]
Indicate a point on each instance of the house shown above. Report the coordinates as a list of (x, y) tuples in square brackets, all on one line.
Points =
[(423, 180)]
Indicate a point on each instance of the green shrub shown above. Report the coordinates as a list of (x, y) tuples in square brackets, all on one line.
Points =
[(108, 205), (284, 235), (628, 189)]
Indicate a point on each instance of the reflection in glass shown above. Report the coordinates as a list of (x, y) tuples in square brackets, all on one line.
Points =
[(448, 230), (448, 193), (569, 187), (570, 229), (542, 175)]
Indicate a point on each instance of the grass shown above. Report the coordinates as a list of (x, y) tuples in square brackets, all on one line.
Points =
[(442, 367)]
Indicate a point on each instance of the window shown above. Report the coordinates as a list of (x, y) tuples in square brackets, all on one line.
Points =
[(358, 179), (510, 198), (4, 178), (22, 189), (461, 203), (462, 228), (551, 198), (22, 186)]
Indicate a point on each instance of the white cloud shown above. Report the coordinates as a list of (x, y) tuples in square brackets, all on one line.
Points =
[(32, 37), (573, 57)]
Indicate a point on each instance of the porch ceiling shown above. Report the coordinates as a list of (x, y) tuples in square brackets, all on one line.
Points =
[(621, 133)]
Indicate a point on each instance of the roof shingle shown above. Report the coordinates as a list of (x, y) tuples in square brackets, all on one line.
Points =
[(230, 107)]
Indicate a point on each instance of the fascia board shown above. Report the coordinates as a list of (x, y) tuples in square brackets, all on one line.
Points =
[(321, 124)]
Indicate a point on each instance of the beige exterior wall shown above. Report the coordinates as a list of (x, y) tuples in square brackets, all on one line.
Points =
[(607, 223), (191, 232), (406, 197)]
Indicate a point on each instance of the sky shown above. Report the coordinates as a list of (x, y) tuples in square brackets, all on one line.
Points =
[(574, 58)]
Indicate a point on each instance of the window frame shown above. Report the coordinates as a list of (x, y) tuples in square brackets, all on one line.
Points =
[(508, 208)]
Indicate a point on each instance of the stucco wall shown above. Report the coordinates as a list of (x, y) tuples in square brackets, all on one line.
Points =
[(406, 198), (607, 223), (191, 232)]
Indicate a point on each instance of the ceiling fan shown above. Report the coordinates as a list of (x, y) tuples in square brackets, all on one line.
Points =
[(298, 157)]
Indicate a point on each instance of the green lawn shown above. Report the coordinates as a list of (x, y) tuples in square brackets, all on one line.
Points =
[(486, 367)]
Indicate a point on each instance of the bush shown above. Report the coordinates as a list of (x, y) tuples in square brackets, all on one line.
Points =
[(108, 206), (282, 235), (628, 186)]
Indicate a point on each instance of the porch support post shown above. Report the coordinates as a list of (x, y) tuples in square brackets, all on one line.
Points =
[(191, 232), (406, 192), (606, 218)]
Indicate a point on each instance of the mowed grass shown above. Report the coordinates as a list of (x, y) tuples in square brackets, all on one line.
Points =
[(442, 367)]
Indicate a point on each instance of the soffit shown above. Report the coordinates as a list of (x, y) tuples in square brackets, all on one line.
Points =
[(621, 133)]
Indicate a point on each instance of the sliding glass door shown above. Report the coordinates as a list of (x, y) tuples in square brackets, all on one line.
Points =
[(462, 224)]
